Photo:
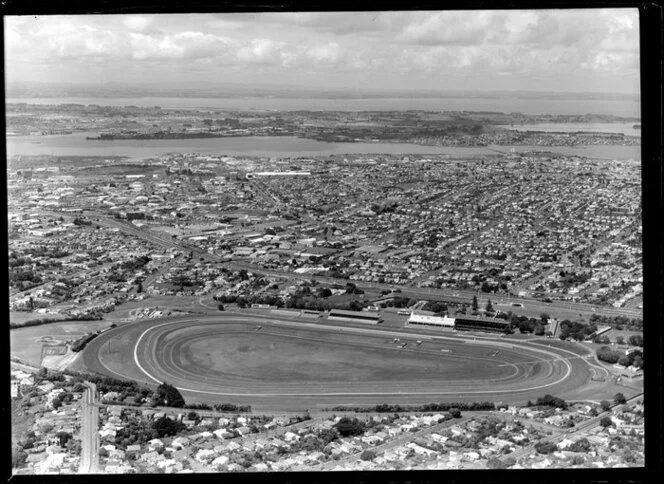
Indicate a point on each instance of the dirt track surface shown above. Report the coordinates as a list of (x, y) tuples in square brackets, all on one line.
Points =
[(293, 364)]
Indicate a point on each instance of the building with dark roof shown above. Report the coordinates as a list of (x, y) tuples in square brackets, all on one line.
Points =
[(355, 316), (472, 323)]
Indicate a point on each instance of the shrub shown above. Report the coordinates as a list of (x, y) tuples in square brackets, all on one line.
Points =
[(19, 456), (368, 455), (495, 463), (545, 447), (581, 445), (636, 340)]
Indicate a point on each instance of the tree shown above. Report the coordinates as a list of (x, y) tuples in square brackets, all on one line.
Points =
[(545, 447), (348, 427), (475, 304), (328, 435), (455, 412), (624, 360), (165, 427), (605, 405), (619, 399), (489, 306), (220, 307), (605, 422), (495, 463), (169, 396), (63, 437), (368, 455), (19, 456), (636, 340), (620, 340), (581, 445)]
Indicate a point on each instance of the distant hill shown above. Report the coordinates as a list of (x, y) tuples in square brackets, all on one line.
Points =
[(211, 89)]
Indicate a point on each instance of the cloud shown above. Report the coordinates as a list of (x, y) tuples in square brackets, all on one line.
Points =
[(138, 23), (373, 45), (325, 54), (261, 51)]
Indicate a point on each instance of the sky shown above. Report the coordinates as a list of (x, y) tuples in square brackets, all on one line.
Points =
[(518, 50)]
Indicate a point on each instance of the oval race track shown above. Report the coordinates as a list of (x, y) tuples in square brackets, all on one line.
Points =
[(291, 364)]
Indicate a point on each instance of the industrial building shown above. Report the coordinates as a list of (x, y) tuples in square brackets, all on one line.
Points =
[(354, 316)]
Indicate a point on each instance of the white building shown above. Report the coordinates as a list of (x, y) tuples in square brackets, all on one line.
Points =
[(443, 321)]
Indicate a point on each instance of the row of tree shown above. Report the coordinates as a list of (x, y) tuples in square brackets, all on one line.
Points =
[(427, 407), (549, 401)]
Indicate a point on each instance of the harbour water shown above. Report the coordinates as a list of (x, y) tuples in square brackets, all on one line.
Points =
[(282, 146), (505, 103)]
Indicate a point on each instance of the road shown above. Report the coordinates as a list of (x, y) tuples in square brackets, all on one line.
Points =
[(89, 463)]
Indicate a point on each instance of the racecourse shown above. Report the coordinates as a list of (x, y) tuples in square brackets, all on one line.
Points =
[(292, 364)]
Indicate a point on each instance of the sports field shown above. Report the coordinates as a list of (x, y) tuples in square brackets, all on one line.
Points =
[(313, 364)]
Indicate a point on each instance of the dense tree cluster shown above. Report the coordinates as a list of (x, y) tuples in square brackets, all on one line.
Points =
[(165, 427), (135, 264), (135, 431), (127, 390), (437, 307), (617, 322), (576, 330), (545, 447), (82, 342), (549, 401), (350, 427), (634, 358), (427, 407), (168, 395)]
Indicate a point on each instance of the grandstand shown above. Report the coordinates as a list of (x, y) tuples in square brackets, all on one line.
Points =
[(354, 316), (471, 323), (421, 319)]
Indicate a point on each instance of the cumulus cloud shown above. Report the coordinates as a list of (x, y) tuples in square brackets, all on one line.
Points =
[(430, 45), (261, 51), (138, 23), (325, 54)]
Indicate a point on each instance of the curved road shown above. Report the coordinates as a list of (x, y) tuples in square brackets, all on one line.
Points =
[(467, 368)]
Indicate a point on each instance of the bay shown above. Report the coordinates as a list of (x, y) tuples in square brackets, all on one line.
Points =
[(494, 103), (282, 146)]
